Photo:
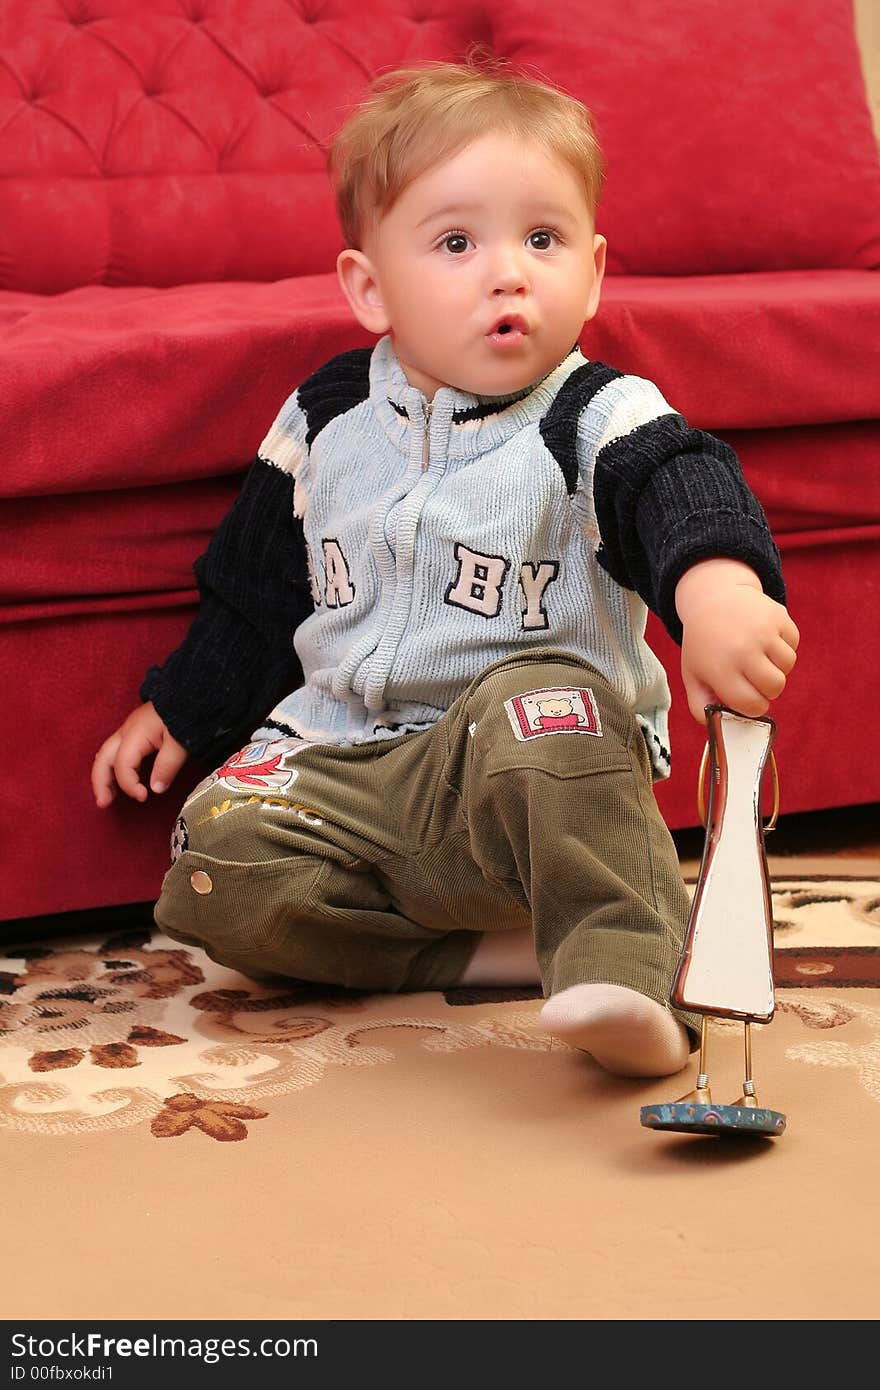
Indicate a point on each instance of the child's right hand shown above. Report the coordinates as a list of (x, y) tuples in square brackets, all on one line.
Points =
[(119, 757)]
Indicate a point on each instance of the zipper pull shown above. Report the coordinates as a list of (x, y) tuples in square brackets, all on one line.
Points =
[(426, 441)]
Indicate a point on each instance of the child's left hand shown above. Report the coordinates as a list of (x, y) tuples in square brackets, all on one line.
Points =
[(739, 645)]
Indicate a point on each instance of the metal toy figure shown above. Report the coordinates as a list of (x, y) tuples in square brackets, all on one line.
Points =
[(726, 965)]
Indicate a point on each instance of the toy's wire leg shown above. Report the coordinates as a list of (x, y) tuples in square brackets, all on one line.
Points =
[(703, 1074), (700, 1095), (749, 1095)]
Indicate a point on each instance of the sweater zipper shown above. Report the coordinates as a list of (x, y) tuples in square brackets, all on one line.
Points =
[(426, 442)]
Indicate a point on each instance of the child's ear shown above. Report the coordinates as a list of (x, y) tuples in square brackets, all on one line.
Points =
[(600, 247), (361, 288)]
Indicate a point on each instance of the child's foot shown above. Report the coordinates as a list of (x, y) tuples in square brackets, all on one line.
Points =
[(503, 958), (624, 1031)]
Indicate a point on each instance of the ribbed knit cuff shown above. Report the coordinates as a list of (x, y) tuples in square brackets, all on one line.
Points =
[(714, 535)]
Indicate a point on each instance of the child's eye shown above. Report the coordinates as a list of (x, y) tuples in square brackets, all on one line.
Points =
[(542, 239), (455, 243)]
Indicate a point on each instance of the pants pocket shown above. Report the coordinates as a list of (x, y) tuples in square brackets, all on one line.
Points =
[(246, 907)]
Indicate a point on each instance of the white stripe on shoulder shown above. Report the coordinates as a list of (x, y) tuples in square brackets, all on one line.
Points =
[(618, 409), (285, 444)]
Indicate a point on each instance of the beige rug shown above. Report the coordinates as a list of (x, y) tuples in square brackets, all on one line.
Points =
[(181, 1142)]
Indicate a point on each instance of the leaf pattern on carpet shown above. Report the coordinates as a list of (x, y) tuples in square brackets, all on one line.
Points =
[(217, 1119)]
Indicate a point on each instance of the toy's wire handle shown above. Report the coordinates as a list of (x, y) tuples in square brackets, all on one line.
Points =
[(701, 790)]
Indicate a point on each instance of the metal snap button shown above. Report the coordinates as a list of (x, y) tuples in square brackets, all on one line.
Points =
[(201, 881)]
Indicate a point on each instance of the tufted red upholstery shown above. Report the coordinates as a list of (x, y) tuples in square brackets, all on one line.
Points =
[(174, 141), (167, 239), (181, 140)]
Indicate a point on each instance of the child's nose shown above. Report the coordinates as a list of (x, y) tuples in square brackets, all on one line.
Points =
[(508, 273)]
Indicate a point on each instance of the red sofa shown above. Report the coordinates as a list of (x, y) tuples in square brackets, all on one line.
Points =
[(167, 242)]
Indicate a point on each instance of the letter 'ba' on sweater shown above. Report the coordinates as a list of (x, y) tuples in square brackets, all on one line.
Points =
[(381, 552)]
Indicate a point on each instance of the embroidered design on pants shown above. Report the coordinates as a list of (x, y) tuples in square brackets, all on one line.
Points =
[(259, 765), (561, 709)]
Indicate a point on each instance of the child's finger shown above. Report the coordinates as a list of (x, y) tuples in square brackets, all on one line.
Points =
[(169, 760), (739, 692), (766, 676), (699, 696), (131, 753), (790, 633), (782, 654), (102, 780)]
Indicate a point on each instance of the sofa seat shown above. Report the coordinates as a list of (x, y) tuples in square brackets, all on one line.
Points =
[(134, 382)]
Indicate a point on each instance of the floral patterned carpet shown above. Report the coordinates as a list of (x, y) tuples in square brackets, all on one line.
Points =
[(419, 1155), (130, 1030)]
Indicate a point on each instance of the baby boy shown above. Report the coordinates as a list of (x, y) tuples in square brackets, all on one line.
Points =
[(419, 665)]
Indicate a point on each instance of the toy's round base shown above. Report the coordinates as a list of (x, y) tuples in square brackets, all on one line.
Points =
[(721, 1120)]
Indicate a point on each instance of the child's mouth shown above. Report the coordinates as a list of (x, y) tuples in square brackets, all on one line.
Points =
[(508, 332)]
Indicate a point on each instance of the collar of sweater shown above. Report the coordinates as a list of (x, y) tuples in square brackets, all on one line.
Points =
[(467, 424)]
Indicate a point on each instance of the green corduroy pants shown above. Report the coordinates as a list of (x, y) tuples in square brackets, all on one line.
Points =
[(378, 866)]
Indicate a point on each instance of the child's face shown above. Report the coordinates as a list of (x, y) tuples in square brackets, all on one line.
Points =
[(484, 271)]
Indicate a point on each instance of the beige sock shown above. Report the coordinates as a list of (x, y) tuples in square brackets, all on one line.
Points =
[(624, 1031)]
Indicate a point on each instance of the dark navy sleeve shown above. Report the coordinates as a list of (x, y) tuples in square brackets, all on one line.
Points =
[(237, 659), (667, 496)]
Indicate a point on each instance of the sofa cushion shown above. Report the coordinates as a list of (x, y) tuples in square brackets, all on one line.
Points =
[(168, 141), (749, 351), (108, 388), (112, 388), (158, 142), (737, 132)]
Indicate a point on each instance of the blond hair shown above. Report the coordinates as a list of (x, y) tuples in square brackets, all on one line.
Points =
[(415, 117)]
